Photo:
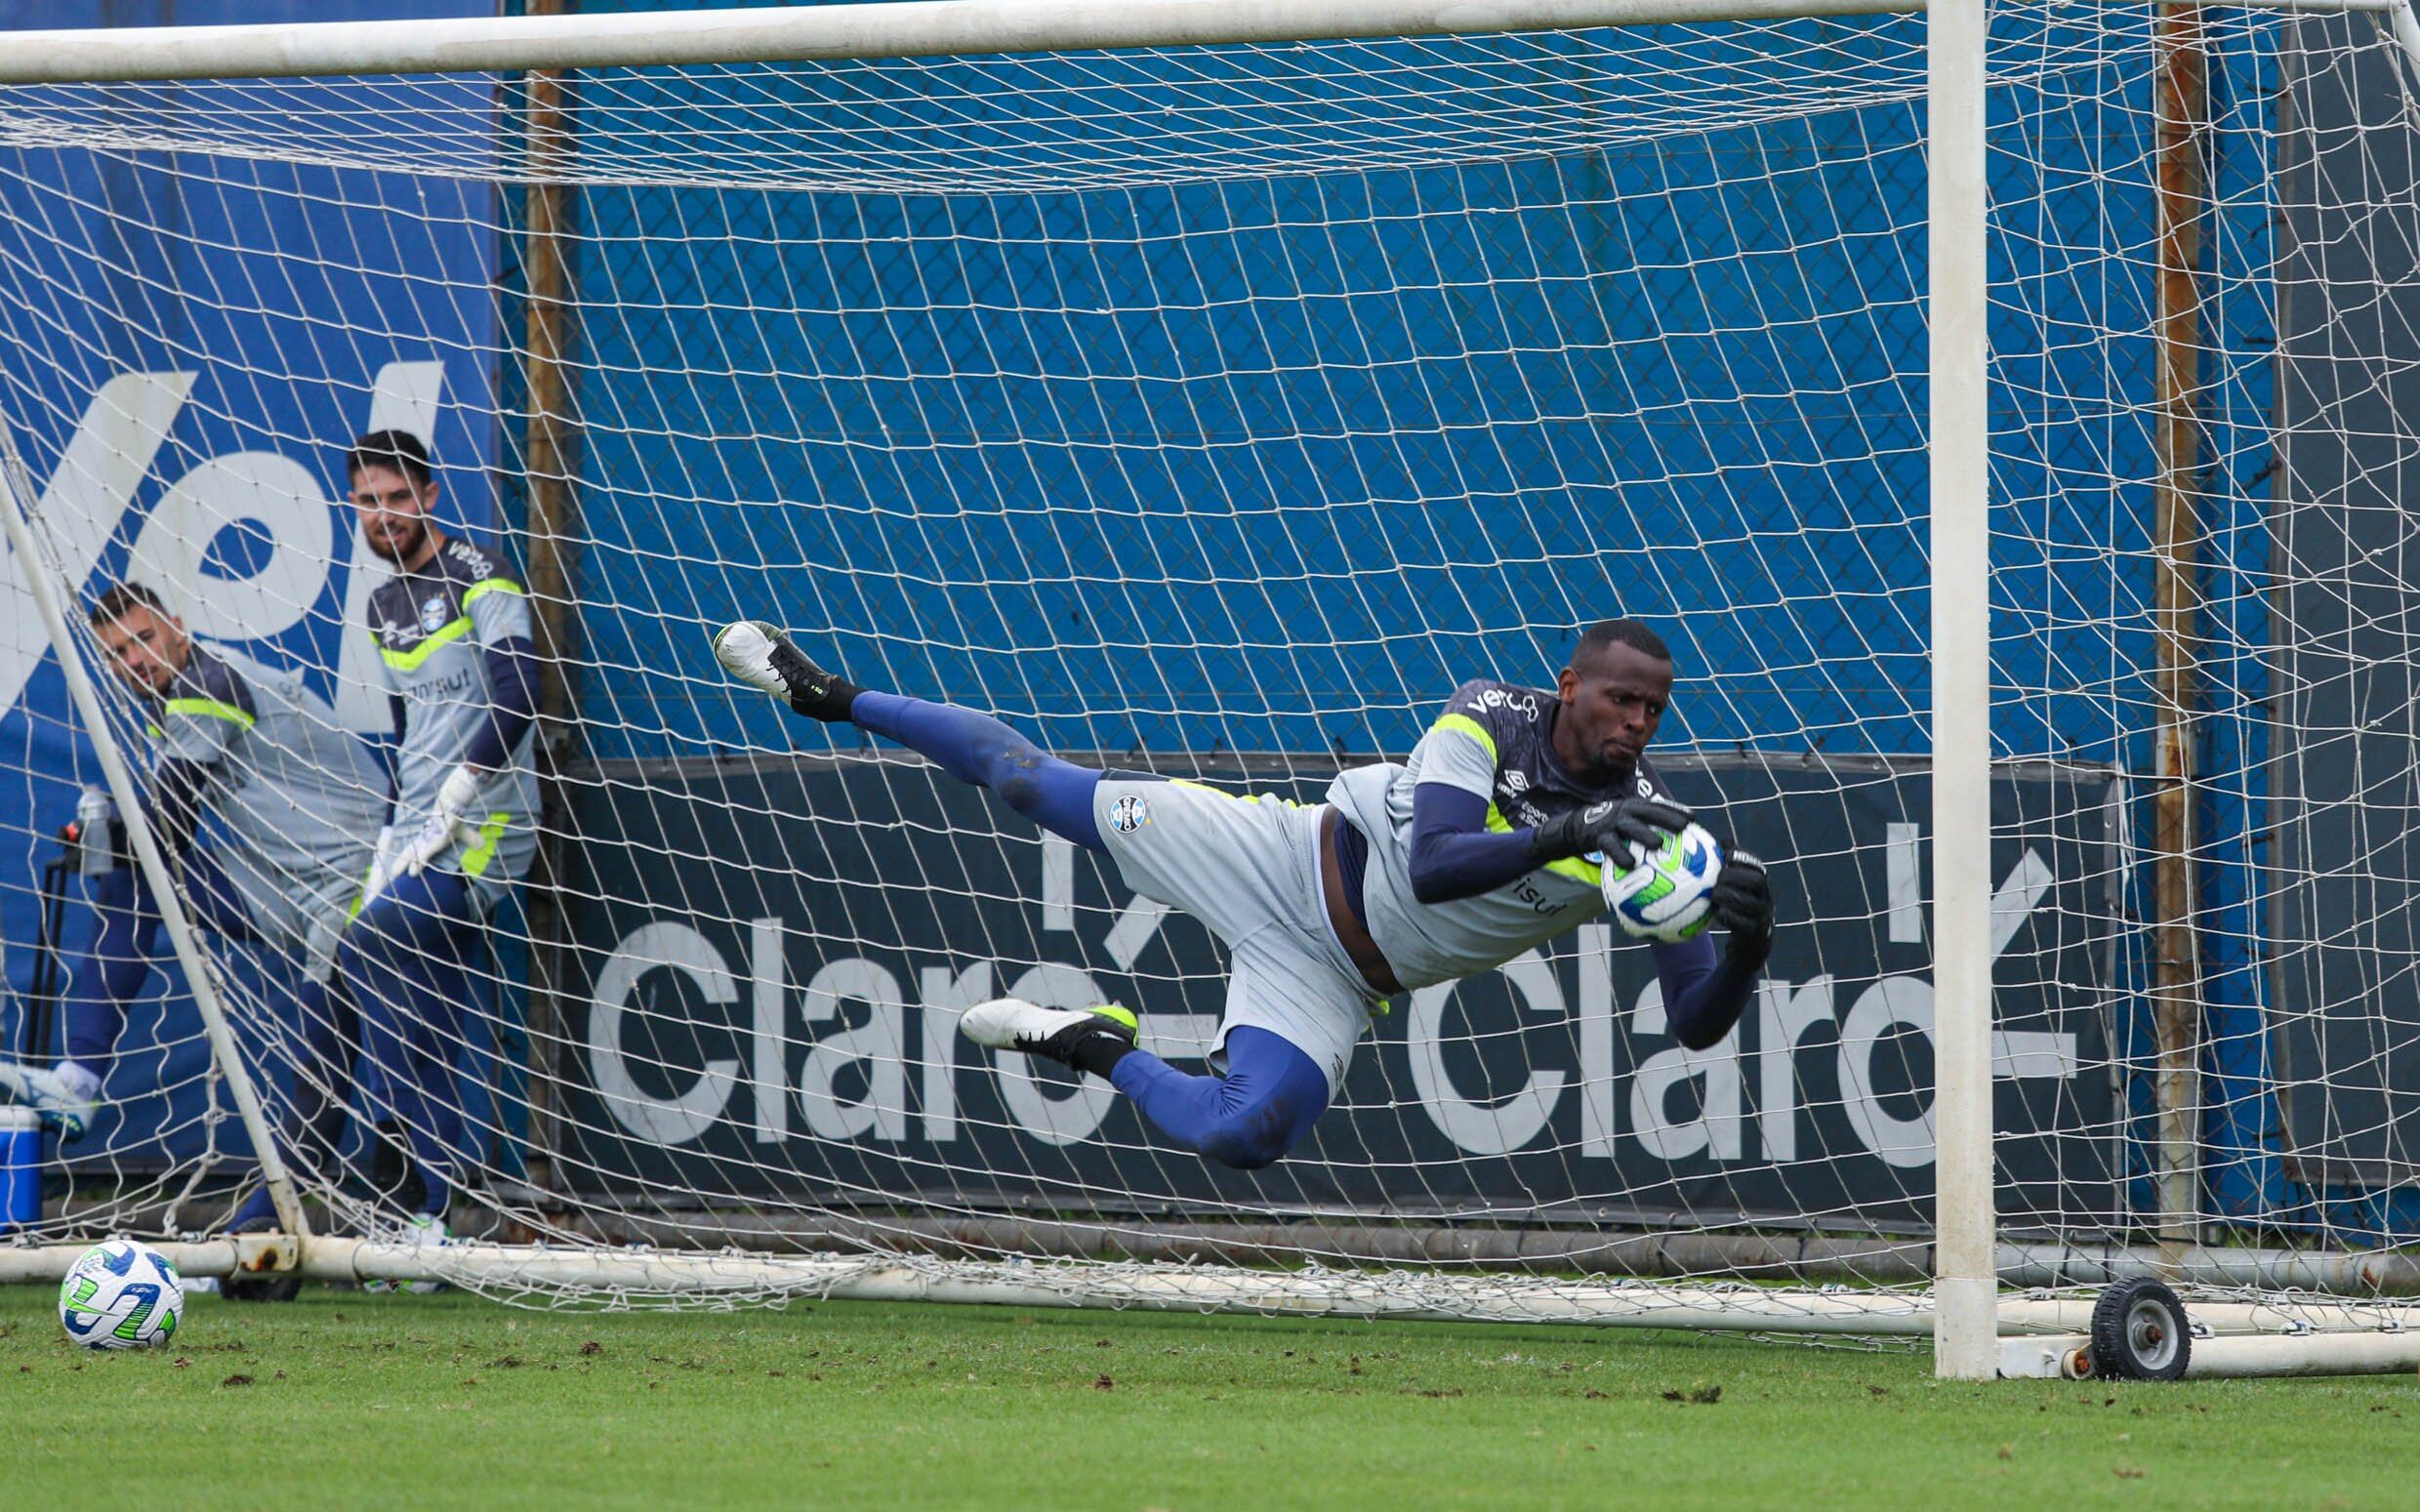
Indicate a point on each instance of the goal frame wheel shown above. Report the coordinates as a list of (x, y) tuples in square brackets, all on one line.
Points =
[(2141, 1333)]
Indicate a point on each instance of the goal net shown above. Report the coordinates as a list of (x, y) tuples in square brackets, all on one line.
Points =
[(1214, 411)]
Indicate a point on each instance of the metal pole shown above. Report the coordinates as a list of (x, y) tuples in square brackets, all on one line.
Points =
[(2182, 94), (1965, 1338), (553, 526), (2405, 31), (909, 28), (120, 777)]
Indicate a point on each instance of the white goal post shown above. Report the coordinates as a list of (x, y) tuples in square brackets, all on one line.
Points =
[(1212, 386)]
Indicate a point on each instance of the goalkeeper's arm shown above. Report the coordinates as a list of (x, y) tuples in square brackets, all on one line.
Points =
[(1453, 854), (1704, 991), (179, 790)]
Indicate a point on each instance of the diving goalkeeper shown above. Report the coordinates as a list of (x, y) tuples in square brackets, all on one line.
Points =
[(1480, 845)]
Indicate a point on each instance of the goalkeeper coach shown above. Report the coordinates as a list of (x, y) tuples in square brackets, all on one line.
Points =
[(1485, 842), (455, 647), (296, 800)]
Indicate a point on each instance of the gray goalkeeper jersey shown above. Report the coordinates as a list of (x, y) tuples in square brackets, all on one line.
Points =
[(1495, 740), (432, 629), (296, 795)]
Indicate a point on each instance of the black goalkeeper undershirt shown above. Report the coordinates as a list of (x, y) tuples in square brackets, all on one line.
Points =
[(1353, 865)]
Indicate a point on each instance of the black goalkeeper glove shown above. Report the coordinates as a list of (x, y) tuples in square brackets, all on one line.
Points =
[(1743, 903), (1611, 827)]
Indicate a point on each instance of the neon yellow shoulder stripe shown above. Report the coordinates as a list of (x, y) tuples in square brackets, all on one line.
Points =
[(210, 708), (1466, 724), (1575, 868), (446, 635), (443, 636)]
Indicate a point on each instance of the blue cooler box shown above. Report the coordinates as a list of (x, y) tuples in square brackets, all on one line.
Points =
[(20, 1168)]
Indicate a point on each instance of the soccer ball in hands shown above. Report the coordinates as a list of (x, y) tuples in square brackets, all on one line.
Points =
[(1663, 895), (121, 1295)]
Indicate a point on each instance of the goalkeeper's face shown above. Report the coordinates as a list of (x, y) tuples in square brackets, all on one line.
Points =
[(394, 515), (1613, 700), (145, 649)]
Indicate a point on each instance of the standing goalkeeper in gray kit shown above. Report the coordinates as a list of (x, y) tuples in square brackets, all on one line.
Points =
[(1486, 842)]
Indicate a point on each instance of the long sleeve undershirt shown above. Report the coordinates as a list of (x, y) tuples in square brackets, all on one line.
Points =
[(513, 704), (1453, 854), (179, 789)]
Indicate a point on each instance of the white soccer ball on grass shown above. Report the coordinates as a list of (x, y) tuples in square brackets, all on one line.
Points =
[(1664, 894), (121, 1295)]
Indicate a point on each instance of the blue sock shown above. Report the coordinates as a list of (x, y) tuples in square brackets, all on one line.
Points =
[(975, 747), (1269, 1098)]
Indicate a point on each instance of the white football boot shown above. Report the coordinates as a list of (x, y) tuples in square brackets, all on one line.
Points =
[(766, 659), (1014, 1024)]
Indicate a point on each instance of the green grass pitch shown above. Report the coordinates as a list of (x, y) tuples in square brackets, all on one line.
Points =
[(344, 1399)]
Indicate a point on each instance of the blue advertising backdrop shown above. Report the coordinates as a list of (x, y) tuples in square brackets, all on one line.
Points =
[(173, 355)]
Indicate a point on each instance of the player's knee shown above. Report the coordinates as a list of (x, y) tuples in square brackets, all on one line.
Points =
[(370, 943), (1251, 1137), (1015, 774)]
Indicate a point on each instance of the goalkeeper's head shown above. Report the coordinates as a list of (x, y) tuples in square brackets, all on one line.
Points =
[(388, 477), (146, 645), (1613, 694)]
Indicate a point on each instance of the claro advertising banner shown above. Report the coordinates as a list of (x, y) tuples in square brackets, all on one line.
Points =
[(767, 959)]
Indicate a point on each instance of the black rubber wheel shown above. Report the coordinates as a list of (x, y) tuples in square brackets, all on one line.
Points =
[(261, 1289), (2140, 1332)]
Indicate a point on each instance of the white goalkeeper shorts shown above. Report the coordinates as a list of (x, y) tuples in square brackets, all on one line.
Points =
[(1249, 869)]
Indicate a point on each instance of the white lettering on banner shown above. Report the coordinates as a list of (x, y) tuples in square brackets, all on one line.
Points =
[(1058, 883), (1054, 1121), (1716, 1129), (1681, 1104), (767, 1042), (281, 500), (881, 1041), (944, 997), (663, 1120), (1596, 1039), (1485, 1128), (1893, 1002), (105, 461), (1783, 1018), (272, 494), (1903, 850)]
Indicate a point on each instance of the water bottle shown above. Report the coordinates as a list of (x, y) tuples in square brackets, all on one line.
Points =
[(97, 832), (20, 1168)]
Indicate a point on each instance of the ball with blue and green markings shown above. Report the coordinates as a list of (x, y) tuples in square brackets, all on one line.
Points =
[(121, 1295), (1664, 894)]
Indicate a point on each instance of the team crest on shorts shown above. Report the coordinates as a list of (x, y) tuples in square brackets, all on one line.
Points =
[(1129, 815)]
